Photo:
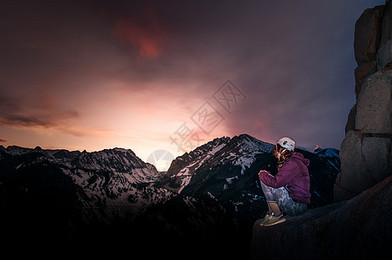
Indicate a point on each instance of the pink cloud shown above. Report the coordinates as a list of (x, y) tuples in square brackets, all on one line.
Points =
[(148, 36)]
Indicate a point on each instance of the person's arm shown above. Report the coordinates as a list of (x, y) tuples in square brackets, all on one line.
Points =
[(282, 178)]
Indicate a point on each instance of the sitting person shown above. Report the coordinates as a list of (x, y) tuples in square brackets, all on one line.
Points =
[(288, 191)]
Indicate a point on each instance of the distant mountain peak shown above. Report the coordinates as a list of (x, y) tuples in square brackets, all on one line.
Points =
[(119, 149), (238, 153), (211, 187), (109, 160), (326, 152)]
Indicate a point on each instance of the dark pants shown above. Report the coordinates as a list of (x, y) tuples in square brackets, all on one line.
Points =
[(282, 198)]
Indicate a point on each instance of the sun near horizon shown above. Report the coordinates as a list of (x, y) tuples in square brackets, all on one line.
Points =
[(154, 76)]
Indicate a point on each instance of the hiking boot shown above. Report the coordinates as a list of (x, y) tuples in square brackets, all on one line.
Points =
[(273, 220), (265, 219)]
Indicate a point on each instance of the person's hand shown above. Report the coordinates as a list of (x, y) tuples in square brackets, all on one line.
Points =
[(263, 172)]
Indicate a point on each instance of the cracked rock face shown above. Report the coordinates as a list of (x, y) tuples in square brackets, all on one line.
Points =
[(365, 152), (374, 105)]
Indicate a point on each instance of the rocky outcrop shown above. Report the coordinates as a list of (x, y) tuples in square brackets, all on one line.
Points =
[(365, 152), (344, 230), (358, 225)]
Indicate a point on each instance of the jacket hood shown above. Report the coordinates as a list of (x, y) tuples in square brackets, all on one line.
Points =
[(300, 156)]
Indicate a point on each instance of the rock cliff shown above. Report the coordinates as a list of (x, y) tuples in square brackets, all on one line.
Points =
[(358, 224), (344, 230), (365, 152)]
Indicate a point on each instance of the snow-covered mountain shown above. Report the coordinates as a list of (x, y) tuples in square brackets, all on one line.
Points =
[(237, 153), (207, 195), (108, 179), (117, 160), (226, 168)]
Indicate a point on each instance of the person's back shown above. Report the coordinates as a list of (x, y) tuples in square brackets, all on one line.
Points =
[(299, 187)]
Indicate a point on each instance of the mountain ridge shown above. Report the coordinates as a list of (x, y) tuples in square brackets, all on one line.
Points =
[(209, 197)]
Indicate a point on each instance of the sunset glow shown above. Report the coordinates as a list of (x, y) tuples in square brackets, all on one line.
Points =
[(134, 75)]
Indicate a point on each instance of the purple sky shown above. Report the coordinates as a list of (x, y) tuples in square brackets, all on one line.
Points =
[(134, 74)]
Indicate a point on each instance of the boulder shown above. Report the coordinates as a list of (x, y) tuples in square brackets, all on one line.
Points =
[(384, 57), (350, 125), (362, 72), (367, 34), (365, 160), (376, 153), (366, 150), (354, 176), (374, 105)]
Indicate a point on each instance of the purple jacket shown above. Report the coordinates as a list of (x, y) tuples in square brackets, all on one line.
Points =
[(294, 176)]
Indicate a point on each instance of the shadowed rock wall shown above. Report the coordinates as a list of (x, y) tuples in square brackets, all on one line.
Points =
[(365, 153)]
